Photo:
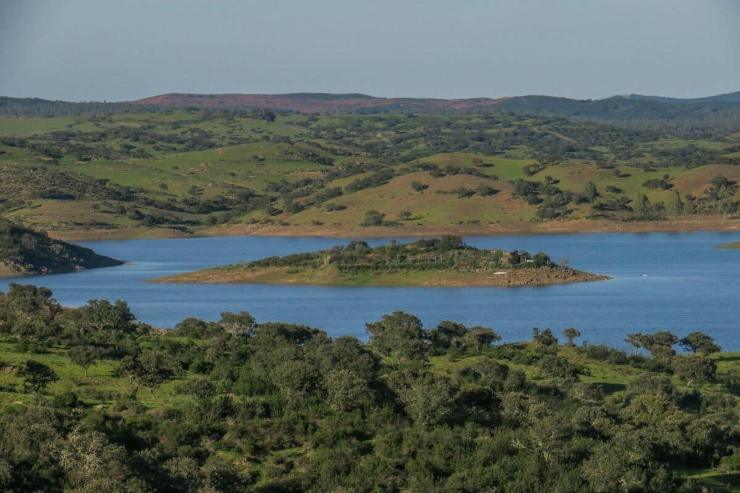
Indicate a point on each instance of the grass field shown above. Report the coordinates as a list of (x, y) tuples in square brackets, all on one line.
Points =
[(99, 387)]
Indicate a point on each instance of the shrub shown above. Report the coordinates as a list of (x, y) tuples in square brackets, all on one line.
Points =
[(694, 369), (418, 186), (373, 218)]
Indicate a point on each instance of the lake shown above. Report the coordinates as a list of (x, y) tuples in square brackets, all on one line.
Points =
[(680, 282)]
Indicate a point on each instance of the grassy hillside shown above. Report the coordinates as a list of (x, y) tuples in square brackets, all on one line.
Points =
[(23, 251), (435, 262), (92, 400), (218, 171)]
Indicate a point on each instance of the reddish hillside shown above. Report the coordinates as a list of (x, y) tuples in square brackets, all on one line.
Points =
[(317, 102)]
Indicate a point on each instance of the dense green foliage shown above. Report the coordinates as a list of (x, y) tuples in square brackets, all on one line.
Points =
[(447, 252), (237, 405), (24, 251)]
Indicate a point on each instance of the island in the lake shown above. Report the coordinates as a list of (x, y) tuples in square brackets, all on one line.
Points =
[(27, 252), (735, 245), (443, 262)]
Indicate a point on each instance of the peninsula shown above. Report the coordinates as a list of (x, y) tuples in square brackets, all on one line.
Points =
[(443, 262), (27, 252)]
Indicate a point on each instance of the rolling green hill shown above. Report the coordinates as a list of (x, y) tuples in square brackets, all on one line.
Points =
[(211, 171)]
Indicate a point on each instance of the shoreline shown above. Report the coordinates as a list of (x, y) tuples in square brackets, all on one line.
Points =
[(687, 224), (506, 278)]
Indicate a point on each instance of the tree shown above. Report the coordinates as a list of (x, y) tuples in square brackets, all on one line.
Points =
[(103, 316), (428, 399), (196, 328), (678, 204), (347, 353), (544, 338), (405, 215), (84, 356), (37, 376), (591, 192), (240, 324), (345, 390), (660, 344), (478, 338), (699, 342), (373, 218), (637, 340), (398, 333), (541, 260), (643, 205), (443, 335), (148, 368), (571, 334), (28, 311), (296, 378), (94, 464)]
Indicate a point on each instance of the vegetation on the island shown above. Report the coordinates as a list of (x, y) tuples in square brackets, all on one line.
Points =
[(92, 400), (23, 251), (445, 261), (118, 170), (733, 245)]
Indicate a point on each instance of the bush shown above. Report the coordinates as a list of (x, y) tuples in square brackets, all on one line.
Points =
[(731, 380), (599, 352), (335, 207), (559, 369), (373, 218), (694, 369), (418, 186)]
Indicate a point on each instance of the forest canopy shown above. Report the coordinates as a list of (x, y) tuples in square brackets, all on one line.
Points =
[(93, 400)]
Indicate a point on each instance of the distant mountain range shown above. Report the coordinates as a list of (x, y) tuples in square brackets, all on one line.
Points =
[(712, 111), (616, 107), (318, 102), (730, 97)]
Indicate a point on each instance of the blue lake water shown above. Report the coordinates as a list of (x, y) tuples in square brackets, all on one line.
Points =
[(680, 282)]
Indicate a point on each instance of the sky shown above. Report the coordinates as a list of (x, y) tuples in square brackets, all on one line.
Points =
[(116, 50)]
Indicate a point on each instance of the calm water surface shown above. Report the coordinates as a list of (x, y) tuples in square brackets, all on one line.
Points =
[(680, 282)]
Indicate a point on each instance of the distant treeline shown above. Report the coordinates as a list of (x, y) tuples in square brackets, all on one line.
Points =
[(35, 107)]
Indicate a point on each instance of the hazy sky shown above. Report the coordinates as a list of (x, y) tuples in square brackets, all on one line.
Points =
[(127, 49)]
